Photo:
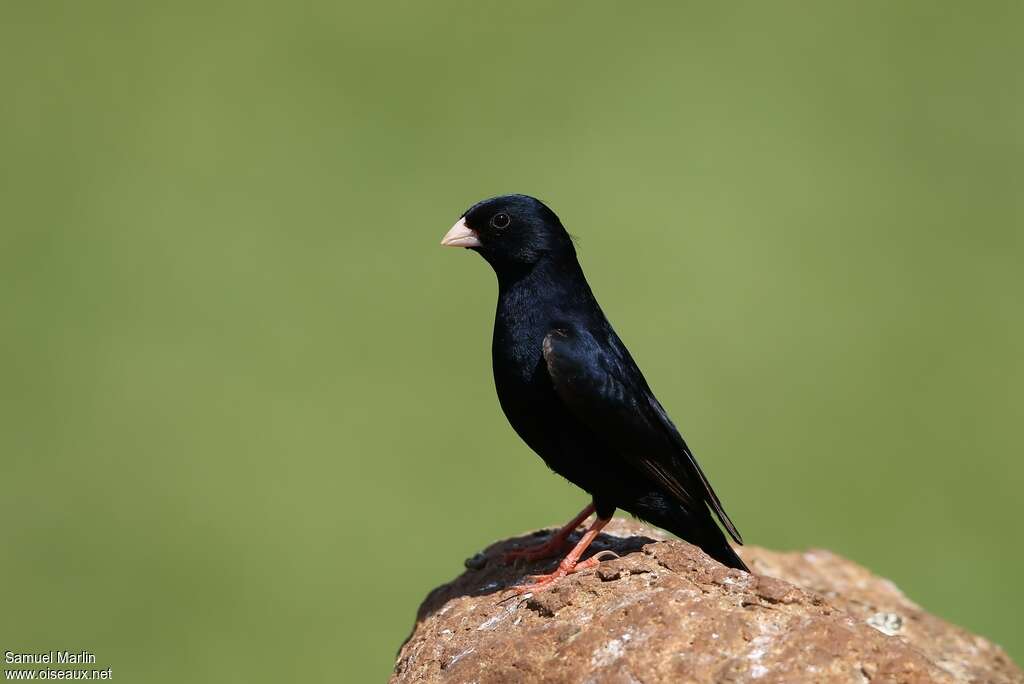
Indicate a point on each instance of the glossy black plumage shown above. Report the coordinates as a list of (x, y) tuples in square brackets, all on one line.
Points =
[(570, 388)]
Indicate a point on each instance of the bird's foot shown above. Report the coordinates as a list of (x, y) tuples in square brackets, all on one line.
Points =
[(554, 545), (566, 567)]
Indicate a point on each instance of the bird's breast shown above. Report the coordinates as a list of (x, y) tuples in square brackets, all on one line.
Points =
[(519, 370)]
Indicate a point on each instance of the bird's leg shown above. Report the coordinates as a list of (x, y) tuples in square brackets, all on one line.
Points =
[(571, 563), (554, 545)]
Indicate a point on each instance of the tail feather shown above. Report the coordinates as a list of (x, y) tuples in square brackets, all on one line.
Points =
[(724, 554), (699, 530)]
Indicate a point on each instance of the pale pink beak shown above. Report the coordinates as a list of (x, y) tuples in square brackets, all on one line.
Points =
[(460, 235)]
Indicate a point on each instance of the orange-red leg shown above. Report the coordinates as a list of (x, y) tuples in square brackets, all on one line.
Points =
[(554, 545), (571, 563)]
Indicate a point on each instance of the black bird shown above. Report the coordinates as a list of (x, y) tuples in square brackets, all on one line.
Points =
[(572, 392)]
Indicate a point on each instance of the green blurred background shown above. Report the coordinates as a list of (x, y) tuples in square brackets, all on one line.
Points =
[(248, 419)]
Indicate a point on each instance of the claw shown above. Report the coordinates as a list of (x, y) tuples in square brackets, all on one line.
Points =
[(554, 544), (569, 564)]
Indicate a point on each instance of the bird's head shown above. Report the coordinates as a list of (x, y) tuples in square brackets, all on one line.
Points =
[(510, 232)]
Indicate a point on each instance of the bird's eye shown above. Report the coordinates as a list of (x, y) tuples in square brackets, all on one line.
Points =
[(501, 221)]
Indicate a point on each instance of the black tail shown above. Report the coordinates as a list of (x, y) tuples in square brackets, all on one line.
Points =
[(720, 550), (700, 530)]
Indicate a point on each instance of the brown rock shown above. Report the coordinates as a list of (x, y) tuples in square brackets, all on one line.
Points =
[(665, 612)]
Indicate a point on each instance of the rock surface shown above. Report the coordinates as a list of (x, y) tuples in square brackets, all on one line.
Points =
[(665, 612)]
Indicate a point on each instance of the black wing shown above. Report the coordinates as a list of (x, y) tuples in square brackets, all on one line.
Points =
[(604, 389)]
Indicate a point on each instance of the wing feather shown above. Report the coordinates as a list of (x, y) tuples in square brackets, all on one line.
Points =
[(606, 391)]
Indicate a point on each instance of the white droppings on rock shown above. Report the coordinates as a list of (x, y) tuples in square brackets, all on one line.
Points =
[(758, 649), (460, 656), (492, 622), (607, 654), (889, 624)]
